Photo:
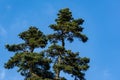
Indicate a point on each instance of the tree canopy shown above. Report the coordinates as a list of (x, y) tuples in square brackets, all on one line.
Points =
[(49, 63), (67, 29), (32, 65)]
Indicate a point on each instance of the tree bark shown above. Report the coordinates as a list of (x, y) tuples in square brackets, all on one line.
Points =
[(57, 70)]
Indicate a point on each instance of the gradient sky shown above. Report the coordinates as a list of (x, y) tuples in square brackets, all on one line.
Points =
[(102, 26)]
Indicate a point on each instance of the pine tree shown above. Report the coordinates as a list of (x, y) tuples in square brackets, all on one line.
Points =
[(67, 29), (36, 65), (31, 64)]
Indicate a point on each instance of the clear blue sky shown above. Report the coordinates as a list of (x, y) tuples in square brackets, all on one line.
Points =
[(102, 26)]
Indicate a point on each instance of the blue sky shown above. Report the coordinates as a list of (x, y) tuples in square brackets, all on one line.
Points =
[(102, 24)]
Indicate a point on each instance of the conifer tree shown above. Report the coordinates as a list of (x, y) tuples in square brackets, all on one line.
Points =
[(31, 64), (67, 29), (36, 66)]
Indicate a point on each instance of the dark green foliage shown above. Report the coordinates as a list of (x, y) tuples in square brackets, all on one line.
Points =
[(34, 38), (36, 66), (32, 65), (67, 61), (67, 28), (75, 65), (16, 48)]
